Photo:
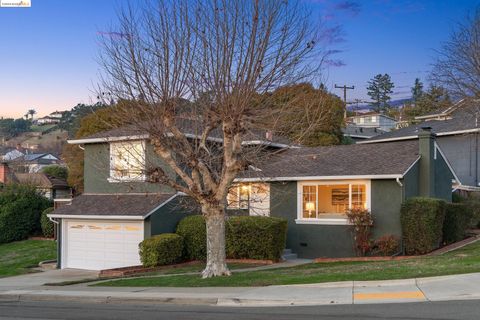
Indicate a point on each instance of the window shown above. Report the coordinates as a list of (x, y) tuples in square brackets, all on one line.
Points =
[(238, 197), (253, 197), (330, 200), (127, 161)]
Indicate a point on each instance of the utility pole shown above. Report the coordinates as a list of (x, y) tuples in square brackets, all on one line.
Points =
[(345, 88)]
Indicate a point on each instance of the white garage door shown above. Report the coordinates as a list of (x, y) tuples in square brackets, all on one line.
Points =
[(98, 245)]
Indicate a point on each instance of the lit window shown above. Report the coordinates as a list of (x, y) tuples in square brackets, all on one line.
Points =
[(327, 201), (238, 197), (127, 160)]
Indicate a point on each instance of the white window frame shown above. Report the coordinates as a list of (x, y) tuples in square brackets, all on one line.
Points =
[(236, 206), (329, 221), (114, 179)]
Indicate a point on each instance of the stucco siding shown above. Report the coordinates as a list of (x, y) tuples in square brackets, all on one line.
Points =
[(97, 172), (462, 153), (387, 200)]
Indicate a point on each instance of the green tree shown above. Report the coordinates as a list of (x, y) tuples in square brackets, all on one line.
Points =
[(436, 98), (56, 171), (417, 90), (379, 89), (300, 107), (31, 113)]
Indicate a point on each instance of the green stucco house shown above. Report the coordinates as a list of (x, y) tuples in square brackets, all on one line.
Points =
[(310, 187)]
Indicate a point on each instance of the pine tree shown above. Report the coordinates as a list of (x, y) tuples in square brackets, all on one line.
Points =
[(417, 90), (379, 89)]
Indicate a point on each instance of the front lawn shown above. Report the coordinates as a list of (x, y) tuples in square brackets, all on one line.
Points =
[(18, 257), (464, 260)]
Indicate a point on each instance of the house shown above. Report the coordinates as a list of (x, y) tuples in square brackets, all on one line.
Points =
[(52, 118), (457, 129), (34, 162), (310, 187), (50, 187), (373, 120), (358, 133)]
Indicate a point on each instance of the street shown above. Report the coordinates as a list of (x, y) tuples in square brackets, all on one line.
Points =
[(64, 310)]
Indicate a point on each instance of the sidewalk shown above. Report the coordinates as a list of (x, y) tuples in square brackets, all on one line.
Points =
[(456, 287)]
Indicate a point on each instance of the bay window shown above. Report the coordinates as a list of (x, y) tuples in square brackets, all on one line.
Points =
[(328, 201)]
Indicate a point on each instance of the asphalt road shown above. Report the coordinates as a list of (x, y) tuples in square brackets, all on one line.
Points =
[(60, 310)]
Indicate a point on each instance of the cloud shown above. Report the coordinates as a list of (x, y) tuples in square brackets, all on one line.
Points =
[(350, 7), (332, 35), (335, 63)]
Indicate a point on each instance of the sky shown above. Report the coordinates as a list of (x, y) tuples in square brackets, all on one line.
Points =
[(48, 52)]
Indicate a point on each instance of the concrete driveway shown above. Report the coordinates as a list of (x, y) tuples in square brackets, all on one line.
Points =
[(35, 280)]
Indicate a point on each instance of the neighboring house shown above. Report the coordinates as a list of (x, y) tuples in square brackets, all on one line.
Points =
[(310, 187), (52, 188), (52, 118), (373, 120), (357, 133), (34, 162), (13, 155), (457, 129)]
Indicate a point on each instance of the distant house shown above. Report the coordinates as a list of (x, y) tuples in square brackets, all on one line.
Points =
[(52, 118), (13, 154), (373, 120), (457, 131), (356, 133), (51, 187), (33, 162)]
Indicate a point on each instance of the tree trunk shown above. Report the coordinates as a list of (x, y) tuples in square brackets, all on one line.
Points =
[(216, 257)]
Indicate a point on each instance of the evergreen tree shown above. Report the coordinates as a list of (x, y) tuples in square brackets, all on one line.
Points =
[(417, 90), (379, 89)]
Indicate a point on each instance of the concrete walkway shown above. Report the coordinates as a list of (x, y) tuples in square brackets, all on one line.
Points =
[(457, 287)]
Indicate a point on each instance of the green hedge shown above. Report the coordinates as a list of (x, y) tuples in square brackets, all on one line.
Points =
[(194, 234), (20, 211), (246, 237), (260, 238), (163, 249), (46, 224), (422, 224), (457, 220)]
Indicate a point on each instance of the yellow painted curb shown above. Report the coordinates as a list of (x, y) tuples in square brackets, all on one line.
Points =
[(389, 295)]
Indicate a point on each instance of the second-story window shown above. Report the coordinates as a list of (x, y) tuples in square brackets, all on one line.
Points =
[(127, 161)]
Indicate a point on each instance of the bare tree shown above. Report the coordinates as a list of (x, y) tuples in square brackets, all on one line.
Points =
[(457, 67), (191, 73)]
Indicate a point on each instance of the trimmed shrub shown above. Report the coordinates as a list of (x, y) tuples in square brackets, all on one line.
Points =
[(20, 211), (261, 238), (246, 237), (46, 224), (194, 234), (457, 220), (162, 249), (422, 224), (386, 245)]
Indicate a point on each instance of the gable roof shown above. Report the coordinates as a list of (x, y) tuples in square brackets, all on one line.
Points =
[(463, 122), (134, 206), (41, 180), (380, 161), (190, 127), (447, 111)]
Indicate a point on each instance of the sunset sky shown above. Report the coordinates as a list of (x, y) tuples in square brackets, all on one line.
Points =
[(48, 52)]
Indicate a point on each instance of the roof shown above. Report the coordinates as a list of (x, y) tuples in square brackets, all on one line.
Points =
[(41, 180), (461, 123), (188, 126), (447, 111), (371, 113), (111, 205), (383, 160)]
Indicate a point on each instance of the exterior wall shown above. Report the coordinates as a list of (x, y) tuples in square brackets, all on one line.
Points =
[(165, 219), (463, 152), (443, 179), (314, 240), (97, 172), (410, 182)]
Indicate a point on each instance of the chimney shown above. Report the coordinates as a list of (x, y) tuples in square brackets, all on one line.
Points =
[(426, 142), (4, 172)]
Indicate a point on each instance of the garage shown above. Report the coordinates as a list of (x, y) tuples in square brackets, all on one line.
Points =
[(99, 245)]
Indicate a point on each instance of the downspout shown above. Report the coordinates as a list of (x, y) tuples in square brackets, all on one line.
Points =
[(401, 249), (54, 221), (81, 148), (58, 235), (399, 182)]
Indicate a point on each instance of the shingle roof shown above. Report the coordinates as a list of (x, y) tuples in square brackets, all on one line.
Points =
[(41, 180), (462, 121), (393, 158), (113, 204), (355, 131), (187, 126)]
